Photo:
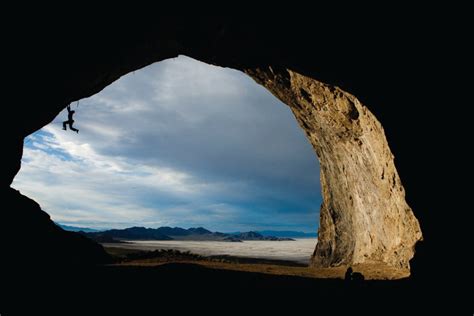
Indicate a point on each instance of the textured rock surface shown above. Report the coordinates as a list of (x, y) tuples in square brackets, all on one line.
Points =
[(364, 216)]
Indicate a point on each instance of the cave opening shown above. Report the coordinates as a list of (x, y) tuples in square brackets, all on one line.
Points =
[(364, 217), (180, 143)]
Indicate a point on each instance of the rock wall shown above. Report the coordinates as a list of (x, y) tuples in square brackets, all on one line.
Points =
[(32, 241), (364, 216)]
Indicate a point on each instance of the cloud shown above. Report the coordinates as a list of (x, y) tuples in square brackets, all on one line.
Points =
[(176, 143)]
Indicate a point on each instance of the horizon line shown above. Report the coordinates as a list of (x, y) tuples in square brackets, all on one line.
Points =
[(226, 232)]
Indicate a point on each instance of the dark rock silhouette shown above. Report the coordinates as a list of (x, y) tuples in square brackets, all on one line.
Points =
[(103, 238), (351, 276), (32, 237), (357, 277)]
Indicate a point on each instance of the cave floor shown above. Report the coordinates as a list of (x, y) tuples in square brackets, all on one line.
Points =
[(370, 271), (373, 271)]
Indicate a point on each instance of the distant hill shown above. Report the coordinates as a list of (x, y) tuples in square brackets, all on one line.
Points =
[(287, 233), (281, 233), (132, 233), (257, 236), (77, 229), (199, 231), (174, 233)]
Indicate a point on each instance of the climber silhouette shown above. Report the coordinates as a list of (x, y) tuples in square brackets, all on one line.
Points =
[(348, 275), (70, 121)]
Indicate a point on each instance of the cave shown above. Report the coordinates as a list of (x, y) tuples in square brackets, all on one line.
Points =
[(344, 93)]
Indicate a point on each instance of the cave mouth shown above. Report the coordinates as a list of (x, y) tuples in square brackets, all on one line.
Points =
[(364, 217), (203, 145)]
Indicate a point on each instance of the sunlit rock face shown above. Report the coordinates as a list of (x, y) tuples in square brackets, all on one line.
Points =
[(364, 217)]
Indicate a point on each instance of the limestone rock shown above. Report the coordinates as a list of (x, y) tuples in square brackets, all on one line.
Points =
[(364, 216)]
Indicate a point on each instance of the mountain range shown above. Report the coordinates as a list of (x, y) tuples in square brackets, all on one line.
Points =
[(265, 233), (287, 233), (77, 229), (175, 233)]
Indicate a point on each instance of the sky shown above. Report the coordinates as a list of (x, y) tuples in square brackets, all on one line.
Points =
[(177, 143)]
